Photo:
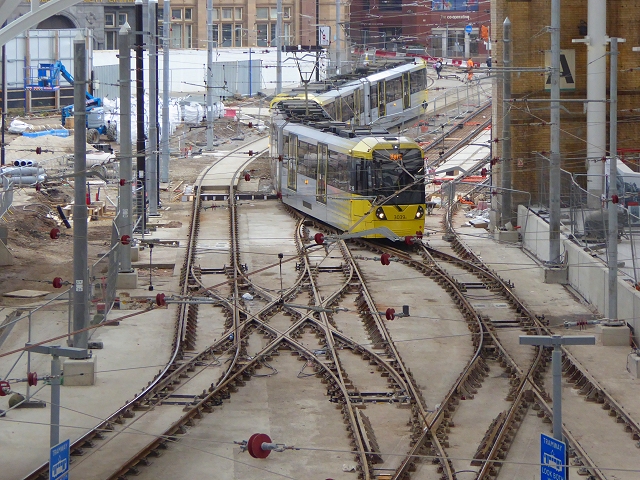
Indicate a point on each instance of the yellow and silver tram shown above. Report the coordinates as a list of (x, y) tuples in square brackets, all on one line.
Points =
[(386, 98), (357, 180)]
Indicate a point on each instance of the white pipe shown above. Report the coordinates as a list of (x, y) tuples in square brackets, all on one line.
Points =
[(596, 90)]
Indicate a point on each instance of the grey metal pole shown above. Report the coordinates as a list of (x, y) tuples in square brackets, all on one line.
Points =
[(612, 249), (56, 352), (54, 431), (554, 170), (125, 218), (505, 166), (338, 42), (556, 366), (556, 341), (467, 45), (164, 148), (4, 100), (80, 255), (152, 167), (141, 173), (279, 44), (210, 133)]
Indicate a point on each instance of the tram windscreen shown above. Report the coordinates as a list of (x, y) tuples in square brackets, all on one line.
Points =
[(398, 171)]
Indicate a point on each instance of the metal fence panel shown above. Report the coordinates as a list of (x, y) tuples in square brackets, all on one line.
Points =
[(104, 275), (108, 75), (6, 196)]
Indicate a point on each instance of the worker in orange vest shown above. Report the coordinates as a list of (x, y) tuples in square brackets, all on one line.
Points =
[(469, 69)]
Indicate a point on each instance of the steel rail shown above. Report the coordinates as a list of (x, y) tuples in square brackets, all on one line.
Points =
[(159, 382), (481, 269)]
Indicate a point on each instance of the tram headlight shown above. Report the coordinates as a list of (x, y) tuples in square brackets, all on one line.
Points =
[(380, 214), (420, 212)]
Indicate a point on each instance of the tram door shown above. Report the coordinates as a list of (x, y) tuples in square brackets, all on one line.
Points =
[(406, 88), (321, 182), (292, 173), (382, 107)]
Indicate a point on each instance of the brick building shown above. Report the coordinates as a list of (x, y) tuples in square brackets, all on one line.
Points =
[(530, 122), (437, 25)]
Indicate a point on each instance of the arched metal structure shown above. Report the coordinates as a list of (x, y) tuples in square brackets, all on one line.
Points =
[(37, 14)]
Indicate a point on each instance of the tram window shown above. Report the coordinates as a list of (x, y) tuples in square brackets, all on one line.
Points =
[(393, 90), (338, 169), (347, 108), (307, 159), (292, 179), (418, 81), (330, 108), (303, 151), (374, 96), (285, 145)]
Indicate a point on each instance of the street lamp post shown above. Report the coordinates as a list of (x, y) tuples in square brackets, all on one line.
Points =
[(556, 341)]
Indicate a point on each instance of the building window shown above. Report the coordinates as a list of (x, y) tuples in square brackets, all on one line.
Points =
[(238, 36), (176, 35), (238, 13), (111, 40), (188, 36), (390, 5), (261, 34), (287, 34), (109, 20), (227, 13), (266, 32), (216, 14), (262, 13), (216, 35), (188, 13), (122, 19), (227, 34), (176, 14)]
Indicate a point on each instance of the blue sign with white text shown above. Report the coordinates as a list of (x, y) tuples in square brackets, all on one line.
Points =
[(59, 461), (552, 458)]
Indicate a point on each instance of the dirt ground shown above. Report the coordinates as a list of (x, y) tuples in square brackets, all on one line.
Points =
[(38, 259)]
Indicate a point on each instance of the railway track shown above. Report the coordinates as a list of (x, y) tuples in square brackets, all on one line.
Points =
[(181, 365), (225, 365)]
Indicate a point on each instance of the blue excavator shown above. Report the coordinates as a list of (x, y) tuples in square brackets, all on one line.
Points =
[(96, 124)]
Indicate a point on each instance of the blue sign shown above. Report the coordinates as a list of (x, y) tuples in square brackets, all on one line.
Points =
[(59, 461), (468, 29), (552, 458)]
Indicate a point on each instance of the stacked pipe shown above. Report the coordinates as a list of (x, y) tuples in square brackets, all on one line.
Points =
[(24, 172)]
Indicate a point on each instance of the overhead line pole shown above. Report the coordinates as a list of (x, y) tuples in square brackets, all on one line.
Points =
[(140, 142), (210, 132), (279, 44), (557, 341), (125, 217), (505, 166), (338, 42), (554, 169), (164, 148), (153, 102), (613, 181), (80, 230)]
